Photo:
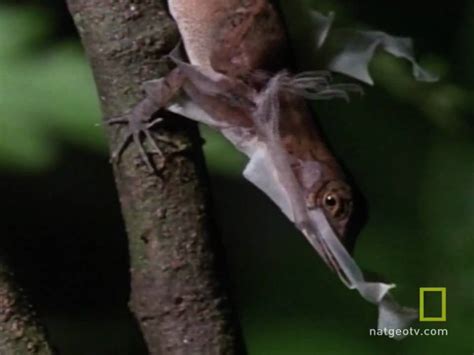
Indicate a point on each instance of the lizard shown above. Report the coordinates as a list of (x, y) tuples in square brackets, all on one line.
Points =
[(241, 44), (236, 80)]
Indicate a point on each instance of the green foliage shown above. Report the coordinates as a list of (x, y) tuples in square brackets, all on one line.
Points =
[(46, 96)]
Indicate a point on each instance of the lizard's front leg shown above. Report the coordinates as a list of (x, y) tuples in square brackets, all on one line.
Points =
[(138, 121)]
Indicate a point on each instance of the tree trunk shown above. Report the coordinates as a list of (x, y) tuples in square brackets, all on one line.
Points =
[(178, 297), (20, 331)]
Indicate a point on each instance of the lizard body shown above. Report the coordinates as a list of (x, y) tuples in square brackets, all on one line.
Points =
[(226, 36), (198, 26), (239, 39)]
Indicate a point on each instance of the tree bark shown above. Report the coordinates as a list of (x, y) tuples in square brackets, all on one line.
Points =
[(178, 295), (20, 331)]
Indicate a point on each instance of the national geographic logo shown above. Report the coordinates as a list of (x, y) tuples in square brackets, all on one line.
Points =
[(432, 315)]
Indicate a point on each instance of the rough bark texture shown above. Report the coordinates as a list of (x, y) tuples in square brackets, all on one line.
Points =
[(178, 296), (20, 331)]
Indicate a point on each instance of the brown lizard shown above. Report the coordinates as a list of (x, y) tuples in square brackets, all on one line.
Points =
[(237, 46), (237, 82)]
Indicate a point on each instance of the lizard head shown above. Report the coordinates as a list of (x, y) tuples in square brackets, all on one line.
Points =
[(343, 207)]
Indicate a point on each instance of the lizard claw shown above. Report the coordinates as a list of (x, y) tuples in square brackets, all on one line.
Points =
[(138, 131), (139, 122), (136, 139)]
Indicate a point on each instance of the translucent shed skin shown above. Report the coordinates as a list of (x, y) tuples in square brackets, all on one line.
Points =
[(240, 39)]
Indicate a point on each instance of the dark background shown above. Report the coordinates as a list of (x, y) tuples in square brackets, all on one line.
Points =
[(410, 147)]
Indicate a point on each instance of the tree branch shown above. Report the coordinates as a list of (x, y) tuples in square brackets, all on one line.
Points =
[(178, 293), (20, 331)]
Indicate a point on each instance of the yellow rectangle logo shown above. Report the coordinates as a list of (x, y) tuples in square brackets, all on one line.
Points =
[(441, 290)]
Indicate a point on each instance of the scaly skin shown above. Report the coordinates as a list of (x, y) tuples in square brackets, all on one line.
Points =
[(198, 22)]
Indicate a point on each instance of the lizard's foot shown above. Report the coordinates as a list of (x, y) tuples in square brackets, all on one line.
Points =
[(138, 131), (139, 121)]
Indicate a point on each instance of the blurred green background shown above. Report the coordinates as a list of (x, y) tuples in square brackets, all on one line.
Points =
[(410, 147)]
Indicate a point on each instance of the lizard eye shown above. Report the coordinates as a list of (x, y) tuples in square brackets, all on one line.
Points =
[(336, 204), (330, 201)]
